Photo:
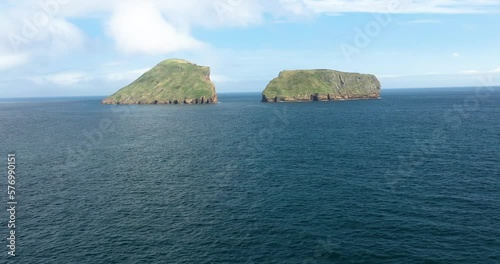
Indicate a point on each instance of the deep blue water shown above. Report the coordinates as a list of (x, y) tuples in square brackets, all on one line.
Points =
[(411, 178)]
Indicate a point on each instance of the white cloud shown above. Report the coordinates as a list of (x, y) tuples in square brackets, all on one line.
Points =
[(296, 7), (384, 76), (8, 61), (63, 36), (163, 26), (220, 78), (470, 72), (29, 29), (126, 75), (112, 63), (424, 21), (456, 54), (61, 79), (186, 12), (138, 27), (408, 6), (245, 12), (9, 58), (496, 70)]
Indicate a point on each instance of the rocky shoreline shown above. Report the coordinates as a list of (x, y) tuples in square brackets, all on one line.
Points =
[(317, 98)]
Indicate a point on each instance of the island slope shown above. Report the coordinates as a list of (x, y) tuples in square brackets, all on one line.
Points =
[(172, 81), (321, 85)]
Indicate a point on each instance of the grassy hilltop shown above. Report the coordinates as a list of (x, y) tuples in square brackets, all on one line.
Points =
[(172, 81), (321, 85)]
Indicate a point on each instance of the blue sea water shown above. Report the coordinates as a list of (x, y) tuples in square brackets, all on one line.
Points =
[(411, 178)]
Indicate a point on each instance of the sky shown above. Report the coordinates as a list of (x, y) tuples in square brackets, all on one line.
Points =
[(52, 48)]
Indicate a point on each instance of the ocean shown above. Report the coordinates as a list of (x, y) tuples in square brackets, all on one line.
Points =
[(411, 178)]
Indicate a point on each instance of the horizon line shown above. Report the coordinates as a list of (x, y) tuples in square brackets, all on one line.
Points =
[(104, 96)]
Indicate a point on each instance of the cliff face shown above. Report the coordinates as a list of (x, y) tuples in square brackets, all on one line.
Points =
[(321, 85), (170, 82)]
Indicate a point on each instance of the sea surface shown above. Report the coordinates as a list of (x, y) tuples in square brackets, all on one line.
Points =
[(411, 178)]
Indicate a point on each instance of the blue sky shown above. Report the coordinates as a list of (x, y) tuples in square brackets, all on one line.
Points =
[(70, 47)]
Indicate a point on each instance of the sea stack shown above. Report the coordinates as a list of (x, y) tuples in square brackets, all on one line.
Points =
[(321, 85), (172, 81)]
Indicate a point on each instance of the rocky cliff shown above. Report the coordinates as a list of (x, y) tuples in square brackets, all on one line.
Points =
[(172, 81), (321, 85)]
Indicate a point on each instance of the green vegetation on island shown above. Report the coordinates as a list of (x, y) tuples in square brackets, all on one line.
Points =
[(172, 81), (321, 85)]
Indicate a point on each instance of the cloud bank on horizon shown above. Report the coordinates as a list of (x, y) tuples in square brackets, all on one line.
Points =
[(69, 47)]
